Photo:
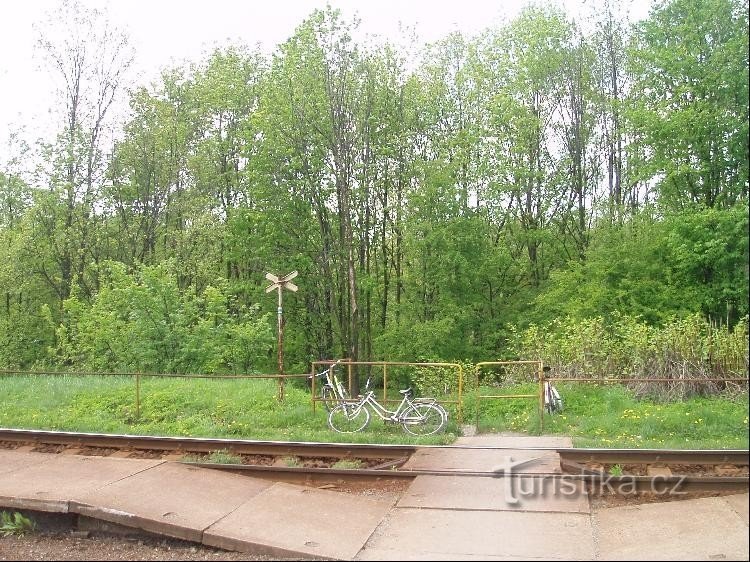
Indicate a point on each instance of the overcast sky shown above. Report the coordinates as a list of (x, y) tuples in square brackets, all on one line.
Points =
[(165, 32)]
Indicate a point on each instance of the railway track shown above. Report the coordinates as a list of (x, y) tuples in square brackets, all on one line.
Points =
[(638, 470), (650, 456), (187, 445)]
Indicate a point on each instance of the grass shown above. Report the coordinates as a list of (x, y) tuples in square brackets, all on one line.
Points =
[(291, 461), (230, 408), (348, 464), (612, 416), (594, 416), (223, 457), (217, 457), (16, 524)]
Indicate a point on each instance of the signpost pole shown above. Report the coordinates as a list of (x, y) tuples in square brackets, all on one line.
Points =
[(279, 284), (280, 313)]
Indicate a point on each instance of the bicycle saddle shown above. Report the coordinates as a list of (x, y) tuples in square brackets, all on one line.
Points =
[(406, 391)]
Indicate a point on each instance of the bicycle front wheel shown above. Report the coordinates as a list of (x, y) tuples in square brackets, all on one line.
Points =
[(424, 419), (348, 418), (328, 397)]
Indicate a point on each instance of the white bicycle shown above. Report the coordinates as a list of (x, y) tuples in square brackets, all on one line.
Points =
[(419, 416), (332, 392)]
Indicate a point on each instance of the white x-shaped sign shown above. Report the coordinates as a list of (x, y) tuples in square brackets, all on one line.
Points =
[(284, 282)]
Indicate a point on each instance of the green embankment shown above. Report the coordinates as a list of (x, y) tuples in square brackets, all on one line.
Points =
[(595, 416)]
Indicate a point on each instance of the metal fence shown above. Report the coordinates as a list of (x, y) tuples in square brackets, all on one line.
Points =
[(386, 367), (538, 376)]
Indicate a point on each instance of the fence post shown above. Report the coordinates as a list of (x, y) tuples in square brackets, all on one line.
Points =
[(541, 396), (137, 396), (312, 387), (460, 393), (479, 399)]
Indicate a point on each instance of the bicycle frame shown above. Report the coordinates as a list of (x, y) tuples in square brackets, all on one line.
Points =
[(332, 382), (381, 411)]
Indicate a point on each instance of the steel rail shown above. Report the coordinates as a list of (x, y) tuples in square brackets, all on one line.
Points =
[(603, 483), (364, 450), (207, 445), (648, 456)]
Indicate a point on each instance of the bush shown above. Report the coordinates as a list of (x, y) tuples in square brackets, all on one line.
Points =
[(441, 381), (143, 321), (685, 350)]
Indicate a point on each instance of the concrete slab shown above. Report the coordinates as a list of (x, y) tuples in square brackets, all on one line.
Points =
[(15, 460), (439, 534), (515, 441), (395, 554), (700, 529), (171, 499), (67, 478), (484, 460), (741, 505), (12, 460), (288, 520), (48, 482), (496, 494)]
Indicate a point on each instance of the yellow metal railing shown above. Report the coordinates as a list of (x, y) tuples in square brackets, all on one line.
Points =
[(539, 395)]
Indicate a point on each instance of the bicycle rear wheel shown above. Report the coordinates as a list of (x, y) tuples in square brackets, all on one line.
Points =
[(424, 419), (434, 403), (348, 418)]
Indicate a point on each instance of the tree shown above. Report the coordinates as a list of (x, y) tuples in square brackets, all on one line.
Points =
[(528, 58), (690, 100), (88, 59)]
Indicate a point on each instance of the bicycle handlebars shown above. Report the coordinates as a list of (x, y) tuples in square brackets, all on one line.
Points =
[(321, 373)]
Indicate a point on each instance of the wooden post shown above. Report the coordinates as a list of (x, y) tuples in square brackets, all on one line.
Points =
[(280, 283), (137, 396)]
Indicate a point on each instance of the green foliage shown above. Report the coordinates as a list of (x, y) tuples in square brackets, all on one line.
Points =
[(707, 255), (594, 415), (143, 322), (693, 261), (15, 524), (538, 190), (437, 382), (216, 457), (689, 103), (684, 349)]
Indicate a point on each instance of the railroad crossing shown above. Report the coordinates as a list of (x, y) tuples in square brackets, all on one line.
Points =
[(443, 514)]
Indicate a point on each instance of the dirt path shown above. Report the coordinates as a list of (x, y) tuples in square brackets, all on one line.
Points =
[(67, 546)]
